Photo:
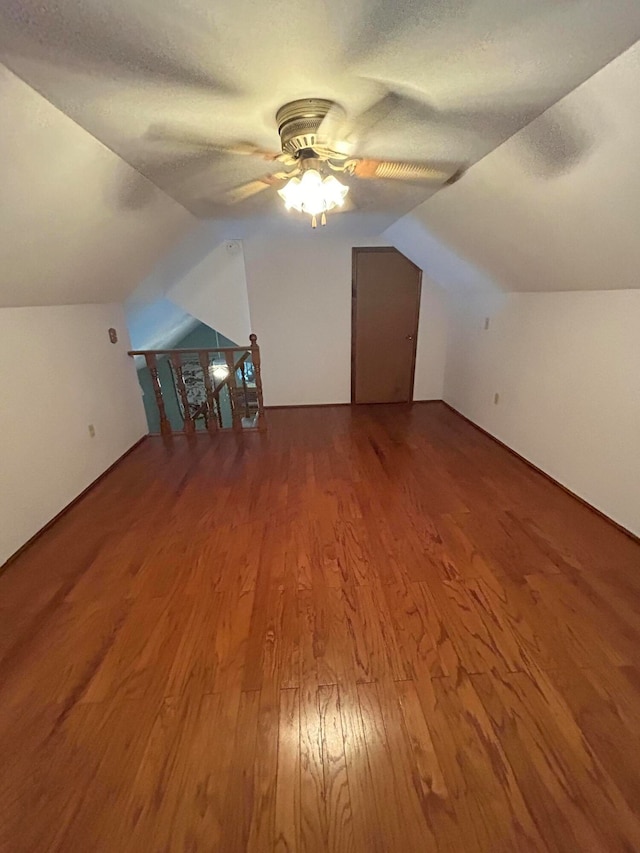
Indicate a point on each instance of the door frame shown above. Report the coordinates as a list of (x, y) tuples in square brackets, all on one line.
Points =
[(354, 299)]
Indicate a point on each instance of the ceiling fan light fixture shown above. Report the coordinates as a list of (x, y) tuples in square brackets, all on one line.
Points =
[(313, 194), (334, 191)]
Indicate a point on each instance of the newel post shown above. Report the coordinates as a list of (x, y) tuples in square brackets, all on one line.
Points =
[(232, 385), (165, 426), (255, 357)]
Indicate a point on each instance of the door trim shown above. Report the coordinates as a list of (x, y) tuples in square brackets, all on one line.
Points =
[(354, 299)]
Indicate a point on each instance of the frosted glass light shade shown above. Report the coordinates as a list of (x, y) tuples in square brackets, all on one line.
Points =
[(313, 195)]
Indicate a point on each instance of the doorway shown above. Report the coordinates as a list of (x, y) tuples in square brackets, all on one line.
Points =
[(385, 312)]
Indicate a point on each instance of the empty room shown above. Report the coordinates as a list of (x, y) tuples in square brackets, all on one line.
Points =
[(320, 426)]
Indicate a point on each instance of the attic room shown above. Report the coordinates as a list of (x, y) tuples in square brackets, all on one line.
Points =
[(320, 468)]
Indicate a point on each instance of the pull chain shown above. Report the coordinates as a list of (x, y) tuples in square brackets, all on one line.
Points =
[(314, 224), (323, 219)]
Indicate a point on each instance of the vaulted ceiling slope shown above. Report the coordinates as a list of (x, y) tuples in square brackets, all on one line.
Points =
[(158, 80), (555, 208), (77, 224)]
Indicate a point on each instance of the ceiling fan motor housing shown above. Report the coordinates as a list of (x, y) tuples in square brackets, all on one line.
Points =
[(299, 121)]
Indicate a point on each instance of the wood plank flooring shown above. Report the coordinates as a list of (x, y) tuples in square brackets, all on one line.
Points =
[(370, 629)]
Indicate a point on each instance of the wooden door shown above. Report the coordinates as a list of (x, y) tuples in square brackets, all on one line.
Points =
[(385, 310)]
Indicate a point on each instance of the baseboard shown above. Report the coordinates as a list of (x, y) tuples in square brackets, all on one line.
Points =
[(551, 479), (308, 406), (66, 508), (331, 405)]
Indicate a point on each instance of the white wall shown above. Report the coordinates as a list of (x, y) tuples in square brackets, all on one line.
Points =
[(300, 300), (58, 374), (431, 352), (437, 260), (157, 325), (215, 292), (567, 369)]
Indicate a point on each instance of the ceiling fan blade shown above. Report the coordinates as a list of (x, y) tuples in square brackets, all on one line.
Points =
[(187, 138), (333, 133), (250, 149), (432, 128), (347, 136), (245, 191), (243, 149), (398, 171), (377, 112), (337, 136), (251, 188), (366, 121)]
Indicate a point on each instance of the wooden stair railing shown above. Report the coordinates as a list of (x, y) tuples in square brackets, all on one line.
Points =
[(202, 393)]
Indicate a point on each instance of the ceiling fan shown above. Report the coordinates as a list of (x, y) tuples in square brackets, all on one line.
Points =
[(317, 143)]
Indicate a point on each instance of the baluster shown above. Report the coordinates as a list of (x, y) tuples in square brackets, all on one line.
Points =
[(255, 355), (165, 425), (212, 422), (245, 392), (233, 391), (220, 421), (189, 426)]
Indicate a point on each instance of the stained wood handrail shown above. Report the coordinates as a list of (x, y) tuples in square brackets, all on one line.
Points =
[(192, 349), (243, 400)]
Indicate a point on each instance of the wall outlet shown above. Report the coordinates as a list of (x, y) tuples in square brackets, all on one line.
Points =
[(496, 398), (92, 431), (486, 323)]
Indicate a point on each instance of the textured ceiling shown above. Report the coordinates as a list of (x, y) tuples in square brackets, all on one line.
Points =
[(557, 207), (154, 80)]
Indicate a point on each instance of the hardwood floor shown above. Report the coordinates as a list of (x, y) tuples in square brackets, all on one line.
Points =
[(370, 629)]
